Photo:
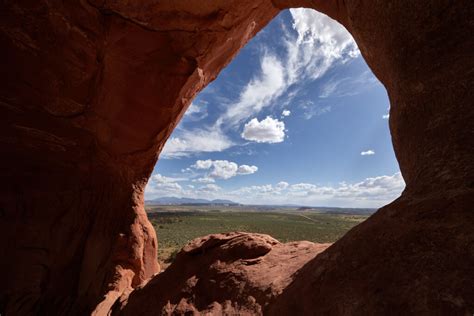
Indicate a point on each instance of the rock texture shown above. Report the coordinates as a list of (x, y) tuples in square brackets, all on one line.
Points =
[(413, 257), (91, 90), (222, 274)]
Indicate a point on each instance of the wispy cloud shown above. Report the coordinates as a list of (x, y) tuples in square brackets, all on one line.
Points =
[(319, 43), (313, 45), (310, 109), (194, 141), (258, 93), (196, 111), (348, 86), (204, 180)]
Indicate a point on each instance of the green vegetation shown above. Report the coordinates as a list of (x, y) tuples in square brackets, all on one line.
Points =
[(175, 226)]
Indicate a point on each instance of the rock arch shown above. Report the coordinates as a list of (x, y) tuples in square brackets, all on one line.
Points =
[(91, 90)]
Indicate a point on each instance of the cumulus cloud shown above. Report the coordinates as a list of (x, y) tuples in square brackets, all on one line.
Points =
[(246, 169), (163, 185), (376, 188), (202, 164), (369, 152), (269, 130), (253, 190), (222, 169), (282, 185), (158, 178), (160, 186), (210, 188), (286, 113), (190, 142), (371, 192)]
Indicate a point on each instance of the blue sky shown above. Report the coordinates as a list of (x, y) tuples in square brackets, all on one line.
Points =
[(297, 117)]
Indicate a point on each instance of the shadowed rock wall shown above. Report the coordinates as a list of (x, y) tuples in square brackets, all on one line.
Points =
[(91, 90)]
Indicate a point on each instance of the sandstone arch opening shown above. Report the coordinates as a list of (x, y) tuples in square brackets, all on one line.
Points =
[(81, 84), (290, 140)]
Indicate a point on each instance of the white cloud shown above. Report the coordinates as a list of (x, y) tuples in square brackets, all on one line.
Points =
[(302, 186), (348, 86), (202, 164), (210, 188), (258, 93), (252, 190), (328, 88), (310, 109), (196, 141), (159, 184), (370, 192), (268, 130), (386, 116), (158, 178), (204, 180), (286, 113), (282, 185), (369, 152), (320, 42), (196, 111), (246, 169), (316, 44), (376, 188), (222, 169)]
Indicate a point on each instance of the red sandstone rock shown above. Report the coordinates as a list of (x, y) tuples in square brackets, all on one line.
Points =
[(91, 90), (413, 257), (234, 273)]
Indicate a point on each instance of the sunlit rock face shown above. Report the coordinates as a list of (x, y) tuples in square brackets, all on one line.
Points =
[(91, 90), (234, 273)]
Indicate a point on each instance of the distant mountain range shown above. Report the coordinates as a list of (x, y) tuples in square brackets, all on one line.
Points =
[(171, 200)]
